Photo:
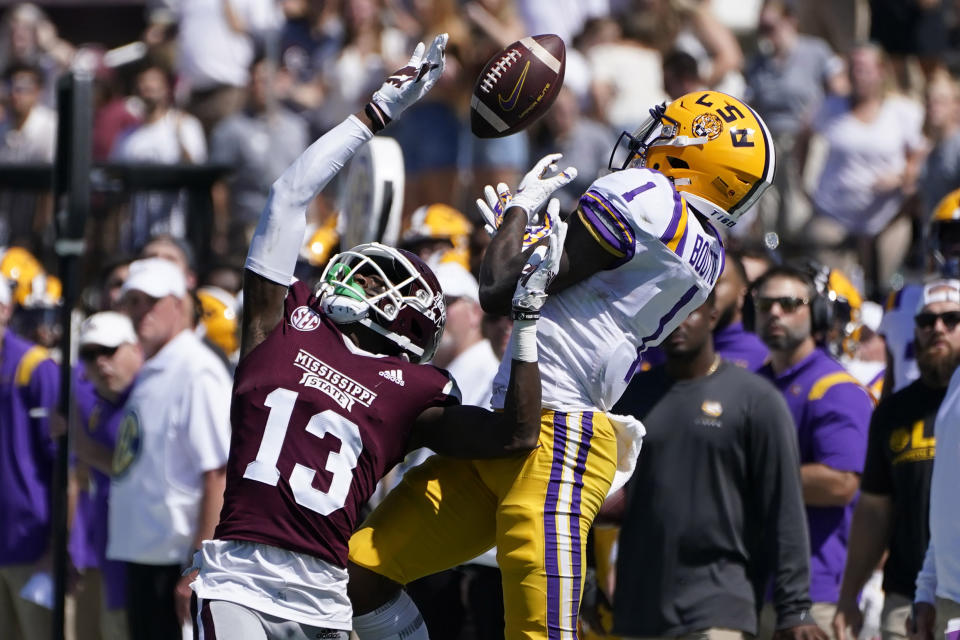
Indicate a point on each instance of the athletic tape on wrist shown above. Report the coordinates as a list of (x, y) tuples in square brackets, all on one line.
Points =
[(523, 340)]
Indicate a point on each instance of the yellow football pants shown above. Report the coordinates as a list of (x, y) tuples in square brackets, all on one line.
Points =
[(536, 509)]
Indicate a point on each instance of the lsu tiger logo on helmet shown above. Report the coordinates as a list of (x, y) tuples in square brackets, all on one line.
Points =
[(714, 148), (943, 235)]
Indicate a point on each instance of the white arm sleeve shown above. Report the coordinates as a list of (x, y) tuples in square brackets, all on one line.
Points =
[(276, 242)]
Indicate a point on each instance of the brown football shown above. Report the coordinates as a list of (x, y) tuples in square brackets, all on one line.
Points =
[(517, 86)]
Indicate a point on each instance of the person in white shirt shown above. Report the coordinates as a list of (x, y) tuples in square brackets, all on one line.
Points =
[(463, 350), (171, 452), (166, 136), (28, 134), (937, 598)]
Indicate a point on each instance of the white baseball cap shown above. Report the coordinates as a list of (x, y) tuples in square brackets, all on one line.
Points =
[(107, 329), (457, 282), (155, 277), (945, 290)]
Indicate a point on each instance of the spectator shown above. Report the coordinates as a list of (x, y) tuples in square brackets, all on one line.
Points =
[(842, 23), (216, 41), (786, 81), (910, 32), (166, 136), (722, 438), (874, 146), (110, 357), (937, 597), (259, 142), (681, 75), (438, 233), (734, 343), (891, 512), (940, 173), (463, 350), (29, 384), (27, 37), (28, 135), (831, 412), (169, 464)]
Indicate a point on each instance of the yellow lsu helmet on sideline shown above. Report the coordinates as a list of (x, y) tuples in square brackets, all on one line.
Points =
[(714, 148), (943, 234), (439, 222), (219, 318), (20, 268)]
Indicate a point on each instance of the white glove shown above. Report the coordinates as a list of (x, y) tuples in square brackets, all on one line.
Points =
[(412, 82), (497, 201), (541, 268), (540, 183)]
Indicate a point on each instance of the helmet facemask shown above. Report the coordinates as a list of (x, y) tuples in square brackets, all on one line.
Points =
[(658, 130), (409, 311)]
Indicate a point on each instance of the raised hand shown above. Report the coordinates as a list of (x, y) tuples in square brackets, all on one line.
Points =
[(407, 85), (541, 268)]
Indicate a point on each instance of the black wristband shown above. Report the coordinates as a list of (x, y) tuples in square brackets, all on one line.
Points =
[(379, 119), (524, 314)]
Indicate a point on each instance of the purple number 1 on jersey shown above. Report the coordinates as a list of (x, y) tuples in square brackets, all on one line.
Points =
[(633, 193)]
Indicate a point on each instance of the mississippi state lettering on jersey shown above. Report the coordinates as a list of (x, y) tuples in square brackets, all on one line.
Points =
[(591, 334), (316, 423)]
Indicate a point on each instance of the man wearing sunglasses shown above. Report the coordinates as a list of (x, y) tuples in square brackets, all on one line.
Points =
[(110, 357), (891, 512), (937, 599), (831, 411)]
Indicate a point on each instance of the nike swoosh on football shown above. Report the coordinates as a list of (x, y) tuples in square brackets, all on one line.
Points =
[(511, 101)]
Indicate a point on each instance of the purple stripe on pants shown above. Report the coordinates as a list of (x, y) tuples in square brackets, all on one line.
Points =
[(552, 564), (582, 449)]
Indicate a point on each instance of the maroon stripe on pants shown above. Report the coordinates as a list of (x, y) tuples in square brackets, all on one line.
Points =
[(203, 627)]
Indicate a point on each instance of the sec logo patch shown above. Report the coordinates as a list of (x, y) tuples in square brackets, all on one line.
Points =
[(129, 441), (304, 319)]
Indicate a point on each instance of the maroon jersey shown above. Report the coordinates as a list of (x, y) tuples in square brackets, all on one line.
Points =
[(315, 426)]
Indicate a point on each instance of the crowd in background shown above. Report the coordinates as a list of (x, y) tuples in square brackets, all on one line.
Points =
[(863, 107)]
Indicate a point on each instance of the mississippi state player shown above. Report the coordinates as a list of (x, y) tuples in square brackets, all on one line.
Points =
[(330, 393)]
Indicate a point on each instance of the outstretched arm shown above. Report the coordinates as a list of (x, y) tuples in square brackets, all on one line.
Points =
[(471, 432), (276, 242)]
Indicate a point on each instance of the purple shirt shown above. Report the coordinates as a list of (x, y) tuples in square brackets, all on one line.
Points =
[(741, 347), (832, 413), (28, 384), (100, 419)]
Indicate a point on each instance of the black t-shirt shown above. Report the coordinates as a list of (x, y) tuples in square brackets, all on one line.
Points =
[(716, 495), (899, 462)]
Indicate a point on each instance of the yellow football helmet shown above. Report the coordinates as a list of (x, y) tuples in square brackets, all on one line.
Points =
[(323, 243), (19, 268), (943, 234), (440, 222), (714, 148), (219, 318)]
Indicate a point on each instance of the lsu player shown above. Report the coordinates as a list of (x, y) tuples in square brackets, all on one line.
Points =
[(331, 391), (642, 252), (943, 247)]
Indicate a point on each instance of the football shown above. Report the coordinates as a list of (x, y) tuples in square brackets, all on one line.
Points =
[(517, 86)]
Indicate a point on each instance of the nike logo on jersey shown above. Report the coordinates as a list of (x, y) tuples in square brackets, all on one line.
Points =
[(508, 103), (394, 375)]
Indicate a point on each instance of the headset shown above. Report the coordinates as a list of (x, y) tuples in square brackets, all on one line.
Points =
[(815, 276)]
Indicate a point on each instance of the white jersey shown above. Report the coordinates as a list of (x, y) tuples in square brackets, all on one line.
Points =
[(176, 427), (897, 329), (591, 335)]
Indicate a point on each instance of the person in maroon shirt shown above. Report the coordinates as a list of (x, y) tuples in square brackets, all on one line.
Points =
[(332, 391)]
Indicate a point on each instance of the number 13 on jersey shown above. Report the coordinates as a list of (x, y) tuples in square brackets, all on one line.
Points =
[(339, 463)]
